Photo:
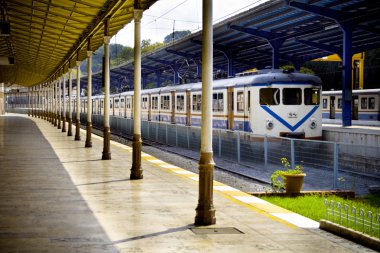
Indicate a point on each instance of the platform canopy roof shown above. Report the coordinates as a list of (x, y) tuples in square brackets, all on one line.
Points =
[(303, 30), (48, 36)]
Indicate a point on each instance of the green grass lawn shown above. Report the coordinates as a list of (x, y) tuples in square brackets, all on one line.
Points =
[(313, 207)]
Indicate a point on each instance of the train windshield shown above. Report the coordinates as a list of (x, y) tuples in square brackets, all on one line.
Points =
[(269, 96), (312, 96), (291, 96)]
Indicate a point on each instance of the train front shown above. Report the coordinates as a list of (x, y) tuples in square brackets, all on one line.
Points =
[(287, 105)]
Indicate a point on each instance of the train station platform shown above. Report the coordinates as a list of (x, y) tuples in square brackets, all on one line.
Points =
[(57, 196)]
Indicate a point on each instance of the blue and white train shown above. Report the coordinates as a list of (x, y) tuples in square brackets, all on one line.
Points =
[(365, 106), (271, 102)]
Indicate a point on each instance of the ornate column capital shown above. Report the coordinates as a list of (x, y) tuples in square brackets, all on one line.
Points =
[(137, 14), (107, 39)]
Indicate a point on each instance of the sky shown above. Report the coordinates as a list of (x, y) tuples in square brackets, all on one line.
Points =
[(164, 15)]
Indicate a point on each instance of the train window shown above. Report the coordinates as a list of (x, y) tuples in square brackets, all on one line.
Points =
[(165, 102), (339, 103), (128, 103), (116, 103), (122, 103), (110, 103), (312, 96), (292, 96), (155, 103), (371, 103), (324, 103), (364, 103), (180, 102), (144, 103), (217, 102), (269, 96), (240, 101), (197, 101)]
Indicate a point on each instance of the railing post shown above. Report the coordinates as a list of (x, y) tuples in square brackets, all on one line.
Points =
[(336, 165), (220, 143), (148, 134), (157, 132), (176, 135), (166, 133), (188, 138), (292, 154), (266, 152), (238, 146)]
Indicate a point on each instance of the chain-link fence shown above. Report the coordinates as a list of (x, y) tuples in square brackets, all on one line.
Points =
[(328, 165)]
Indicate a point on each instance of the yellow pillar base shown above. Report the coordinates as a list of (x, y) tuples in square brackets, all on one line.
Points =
[(70, 130), (106, 144), (88, 135), (136, 171), (55, 119), (77, 130), (63, 124), (205, 211)]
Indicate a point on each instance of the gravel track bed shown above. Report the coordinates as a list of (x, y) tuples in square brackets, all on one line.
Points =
[(189, 160)]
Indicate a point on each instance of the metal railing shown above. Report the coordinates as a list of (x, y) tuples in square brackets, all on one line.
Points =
[(328, 165), (357, 219)]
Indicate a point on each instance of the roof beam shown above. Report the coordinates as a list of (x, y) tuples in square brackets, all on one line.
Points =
[(50, 20), (321, 11), (369, 29), (183, 54), (161, 61), (342, 16), (107, 12), (72, 9), (44, 11), (328, 48), (148, 67), (258, 33)]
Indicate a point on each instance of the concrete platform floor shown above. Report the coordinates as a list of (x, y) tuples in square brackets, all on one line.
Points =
[(57, 196)]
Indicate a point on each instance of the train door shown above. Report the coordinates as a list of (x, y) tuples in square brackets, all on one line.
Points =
[(149, 107), (173, 107), (188, 106), (332, 107), (355, 107), (230, 108)]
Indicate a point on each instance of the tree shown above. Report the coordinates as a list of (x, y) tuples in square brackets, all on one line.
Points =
[(146, 46), (176, 36)]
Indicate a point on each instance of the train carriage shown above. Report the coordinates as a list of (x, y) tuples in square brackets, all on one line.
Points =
[(365, 106), (272, 102)]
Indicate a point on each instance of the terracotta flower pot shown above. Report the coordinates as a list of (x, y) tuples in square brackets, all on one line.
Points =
[(293, 182)]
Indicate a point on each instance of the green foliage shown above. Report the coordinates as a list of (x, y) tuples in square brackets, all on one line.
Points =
[(303, 70), (176, 36), (313, 207), (147, 46), (277, 177)]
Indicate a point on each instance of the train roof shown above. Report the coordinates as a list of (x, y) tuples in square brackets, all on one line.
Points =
[(260, 78), (266, 78), (362, 92)]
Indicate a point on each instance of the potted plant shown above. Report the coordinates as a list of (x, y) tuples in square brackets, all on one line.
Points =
[(290, 179)]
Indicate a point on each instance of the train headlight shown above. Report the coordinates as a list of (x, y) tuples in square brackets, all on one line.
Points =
[(313, 123), (269, 124)]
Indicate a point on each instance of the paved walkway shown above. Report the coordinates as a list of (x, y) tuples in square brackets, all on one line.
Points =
[(57, 196)]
